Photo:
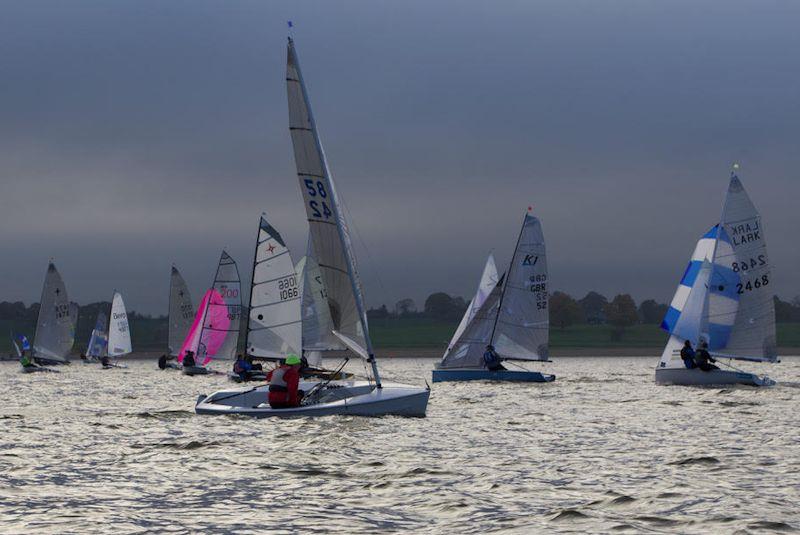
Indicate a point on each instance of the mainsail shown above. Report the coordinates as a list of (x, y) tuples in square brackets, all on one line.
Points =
[(275, 326), (98, 341), (181, 311), (55, 330), (522, 330), (488, 281), (219, 336), (119, 333), (722, 297), (327, 226), (741, 310)]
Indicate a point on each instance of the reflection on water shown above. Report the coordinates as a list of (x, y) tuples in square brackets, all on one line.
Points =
[(602, 449)]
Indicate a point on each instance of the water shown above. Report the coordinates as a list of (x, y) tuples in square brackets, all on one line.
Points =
[(602, 449)]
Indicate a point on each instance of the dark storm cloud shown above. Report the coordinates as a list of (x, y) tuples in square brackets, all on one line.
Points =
[(137, 134)]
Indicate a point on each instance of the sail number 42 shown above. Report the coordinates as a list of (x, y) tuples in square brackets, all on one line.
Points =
[(319, 207)]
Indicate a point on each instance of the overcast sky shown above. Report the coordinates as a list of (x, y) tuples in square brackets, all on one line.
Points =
[(135, 134)]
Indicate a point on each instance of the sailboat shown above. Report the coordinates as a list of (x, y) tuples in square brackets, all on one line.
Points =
[(333, 250), (510, 314), (119, 333), (181, 317), (98, 340), (55, 328), (724, 299), (215, 330), (274, 329)]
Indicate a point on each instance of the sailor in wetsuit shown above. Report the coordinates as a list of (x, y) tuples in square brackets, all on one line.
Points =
[(703, 358), (492, 360), (687, 354)]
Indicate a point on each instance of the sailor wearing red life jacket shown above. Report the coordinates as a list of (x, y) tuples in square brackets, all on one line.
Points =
[(283, 384)]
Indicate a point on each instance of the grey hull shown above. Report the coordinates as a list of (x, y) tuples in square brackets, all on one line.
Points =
[(697, 377)]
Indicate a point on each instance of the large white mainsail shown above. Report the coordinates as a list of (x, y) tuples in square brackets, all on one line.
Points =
[(327, 225), (119, 332), (489, 279), (740, 309), (275, 326), (523, 326), (219, 337), (55, 330), (181, 311)]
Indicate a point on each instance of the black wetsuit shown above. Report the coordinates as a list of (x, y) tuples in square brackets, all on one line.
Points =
[(703, 360)]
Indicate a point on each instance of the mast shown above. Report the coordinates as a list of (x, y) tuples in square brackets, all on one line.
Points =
[(339, 218), (505, 282), (252, 279)]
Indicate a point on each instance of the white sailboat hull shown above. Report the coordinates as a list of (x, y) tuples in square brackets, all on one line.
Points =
[(697, 377), (339, 398)]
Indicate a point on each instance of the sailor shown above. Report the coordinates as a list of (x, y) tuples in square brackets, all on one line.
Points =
[(242, 367), (162, 362), (284, 383), (492, 360), (703, 358), (687, 354), (105, 361), (26, 361), (188, 360)]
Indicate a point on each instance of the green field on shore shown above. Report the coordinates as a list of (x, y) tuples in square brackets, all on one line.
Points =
[(416, 333)]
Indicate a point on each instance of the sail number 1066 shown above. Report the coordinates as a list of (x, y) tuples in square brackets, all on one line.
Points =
[(319, 207), (287, 288)]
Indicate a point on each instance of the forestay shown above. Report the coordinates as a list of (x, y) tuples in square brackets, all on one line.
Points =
[(181, 311), (467, 351), (327, 226), (98, 341), (488, 281), (55, 330), (220, 333), (119, 334), (522, 331), (275, 326)]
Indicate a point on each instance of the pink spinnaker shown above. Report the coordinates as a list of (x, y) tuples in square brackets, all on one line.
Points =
[(193, 336), (215, 327)]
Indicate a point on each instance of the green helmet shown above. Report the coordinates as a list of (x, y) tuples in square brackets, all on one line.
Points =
[(292, 359)]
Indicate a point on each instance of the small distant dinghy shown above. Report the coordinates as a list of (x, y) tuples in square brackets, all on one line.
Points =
[(214, 333), (119, 333), (331, 244), (724, 299), (181, 317), (98, 340), (20, 342), (55, 324), (510, 313)]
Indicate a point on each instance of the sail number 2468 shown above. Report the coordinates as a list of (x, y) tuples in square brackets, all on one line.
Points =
[(319, 207)]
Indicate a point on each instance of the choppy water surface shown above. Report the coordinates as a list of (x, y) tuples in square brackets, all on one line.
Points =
[(601, 449)]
